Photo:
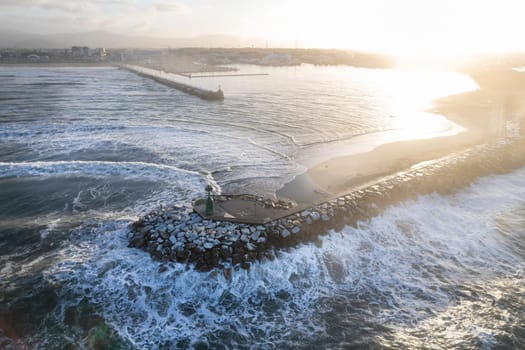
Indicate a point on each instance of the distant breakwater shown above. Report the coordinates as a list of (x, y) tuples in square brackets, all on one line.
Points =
[(179, 234), (208, 95)]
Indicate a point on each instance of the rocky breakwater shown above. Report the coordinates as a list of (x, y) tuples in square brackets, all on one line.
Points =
[(179, 234)]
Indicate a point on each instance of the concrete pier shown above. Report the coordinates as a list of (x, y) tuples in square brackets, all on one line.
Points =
[(192, 90), (245, 208), (198, 75)]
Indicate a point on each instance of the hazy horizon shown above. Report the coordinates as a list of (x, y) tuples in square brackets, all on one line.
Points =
[(438, 29)]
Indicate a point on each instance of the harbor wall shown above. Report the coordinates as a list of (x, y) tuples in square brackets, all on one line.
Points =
[(208, 95)]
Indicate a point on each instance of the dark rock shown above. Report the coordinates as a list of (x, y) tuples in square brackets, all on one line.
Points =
[(137, 242), (182, 255), (226, 251), (236, 258)]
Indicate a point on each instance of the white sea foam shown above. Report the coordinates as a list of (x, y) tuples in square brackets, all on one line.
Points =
[(416, 265), (126, 170)]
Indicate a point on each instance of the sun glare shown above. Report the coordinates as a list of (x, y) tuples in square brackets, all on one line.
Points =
[(411, 30)]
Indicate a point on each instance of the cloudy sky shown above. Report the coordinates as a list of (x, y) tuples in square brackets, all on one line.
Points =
[(394, 26)]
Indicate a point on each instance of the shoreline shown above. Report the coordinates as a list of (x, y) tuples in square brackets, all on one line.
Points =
[(478, 112), (339, 175)]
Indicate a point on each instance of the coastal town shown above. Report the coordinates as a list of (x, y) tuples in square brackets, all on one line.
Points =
[(196, 59)]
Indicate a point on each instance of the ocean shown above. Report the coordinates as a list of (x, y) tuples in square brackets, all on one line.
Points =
[(86, 151)]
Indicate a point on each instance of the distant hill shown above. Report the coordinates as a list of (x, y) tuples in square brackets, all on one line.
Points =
[(18, 39)]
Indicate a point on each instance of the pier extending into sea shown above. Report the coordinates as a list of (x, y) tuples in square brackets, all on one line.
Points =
[(221, 75), (180, 234), (204, 94)]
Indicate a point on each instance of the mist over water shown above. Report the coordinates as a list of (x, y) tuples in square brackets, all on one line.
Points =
[(85, 151)]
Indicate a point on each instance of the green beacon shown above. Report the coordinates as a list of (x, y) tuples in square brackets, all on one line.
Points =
[(209, 201)]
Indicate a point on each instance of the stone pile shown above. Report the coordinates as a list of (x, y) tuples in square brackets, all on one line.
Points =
[(179, 234)]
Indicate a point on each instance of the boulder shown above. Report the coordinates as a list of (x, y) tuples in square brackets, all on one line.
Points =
[(315, 216), (255, 235), (137, 241)]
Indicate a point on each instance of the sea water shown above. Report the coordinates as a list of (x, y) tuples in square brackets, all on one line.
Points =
[(85, 151)]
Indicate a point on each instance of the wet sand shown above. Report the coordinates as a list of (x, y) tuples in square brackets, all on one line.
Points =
[(337, 176), (476, 111)]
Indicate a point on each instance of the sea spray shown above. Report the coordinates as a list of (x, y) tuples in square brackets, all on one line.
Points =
[(375, 282)]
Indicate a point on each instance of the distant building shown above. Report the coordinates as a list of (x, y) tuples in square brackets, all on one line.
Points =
[(99, 54), (80, 51), (33, 58)]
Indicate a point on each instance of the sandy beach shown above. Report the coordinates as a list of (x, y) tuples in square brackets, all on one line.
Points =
[(476, 111)]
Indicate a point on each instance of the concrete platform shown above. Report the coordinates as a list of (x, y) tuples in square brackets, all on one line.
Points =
[(246, 209)]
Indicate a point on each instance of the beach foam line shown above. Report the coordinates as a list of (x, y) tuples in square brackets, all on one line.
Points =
[(130, 170)]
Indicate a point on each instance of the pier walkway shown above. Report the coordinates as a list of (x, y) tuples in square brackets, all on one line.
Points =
[(245, 208), (204, 94)]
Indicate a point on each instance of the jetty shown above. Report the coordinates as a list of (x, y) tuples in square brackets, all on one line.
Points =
[(180, 234), (233, 75), (204, 94)]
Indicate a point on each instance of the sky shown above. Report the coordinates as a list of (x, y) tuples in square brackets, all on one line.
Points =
[(415, 27)]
